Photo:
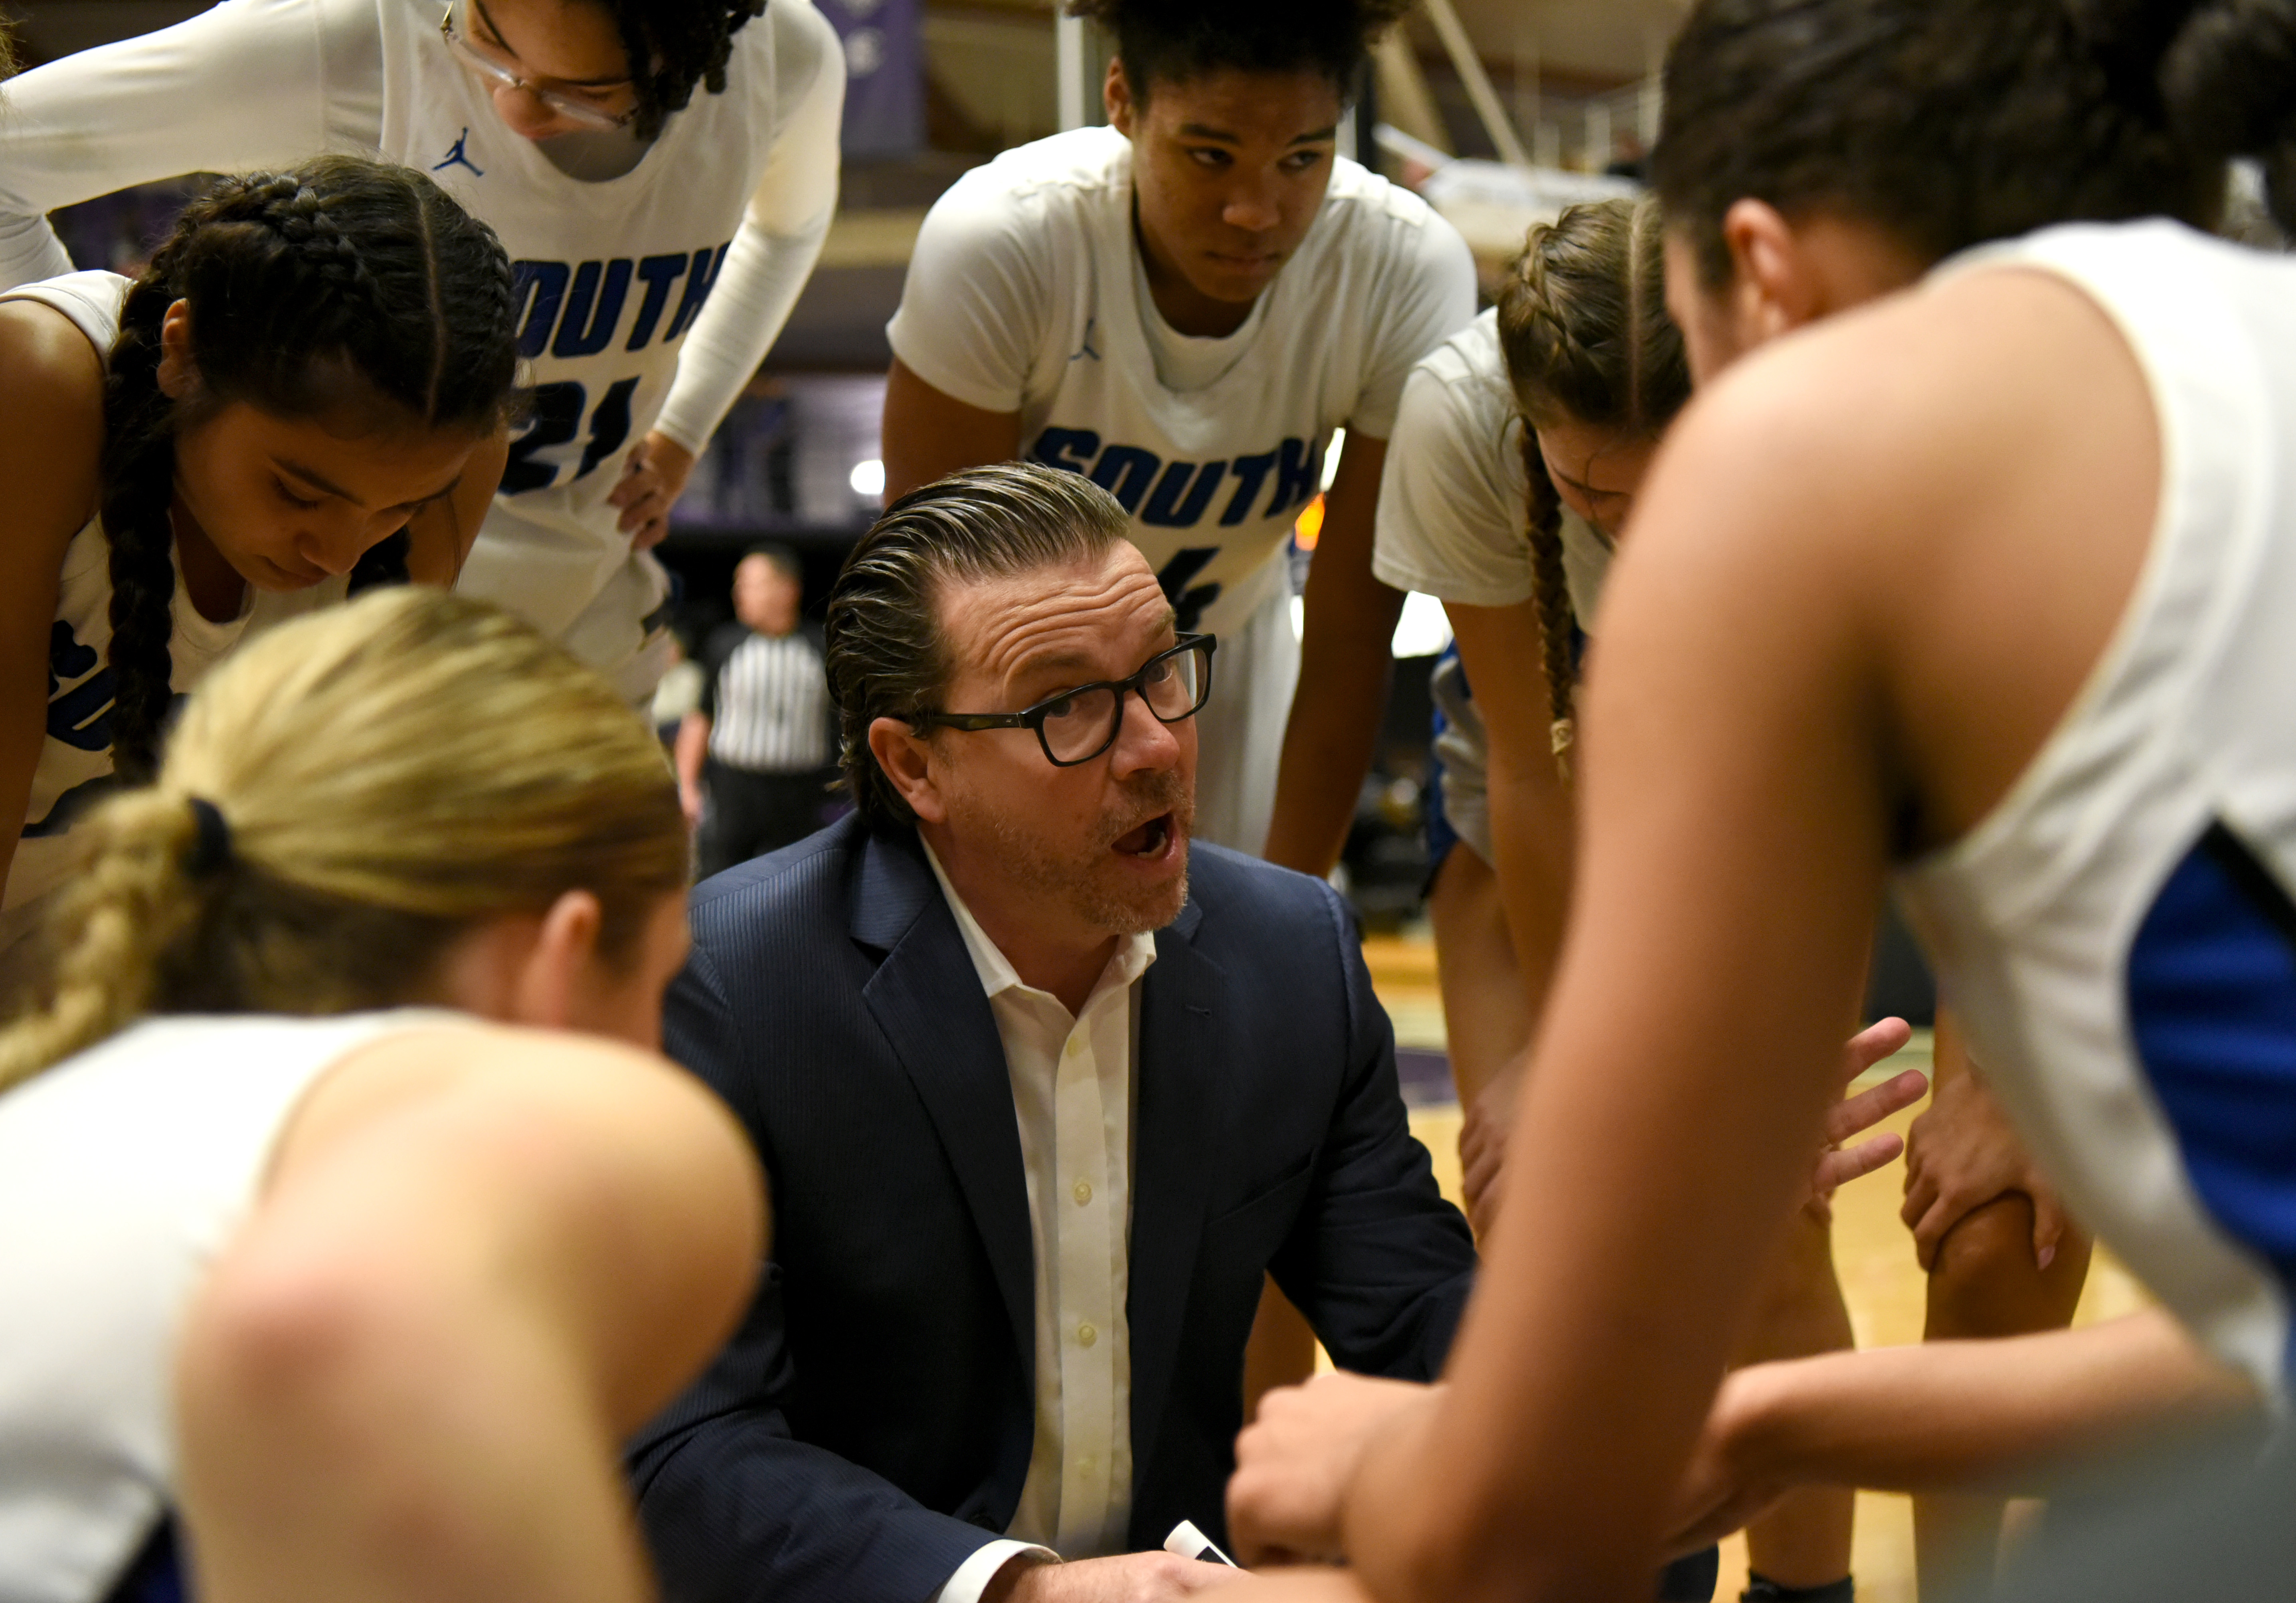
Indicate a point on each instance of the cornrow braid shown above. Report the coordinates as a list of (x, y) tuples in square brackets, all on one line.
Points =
[(1551, 589), (343, 283), (689, 43), (1584, 326)]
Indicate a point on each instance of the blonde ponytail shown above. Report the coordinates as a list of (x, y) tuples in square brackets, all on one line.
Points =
[(386, 774)]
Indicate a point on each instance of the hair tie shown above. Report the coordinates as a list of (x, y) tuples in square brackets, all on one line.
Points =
[(211, 847)]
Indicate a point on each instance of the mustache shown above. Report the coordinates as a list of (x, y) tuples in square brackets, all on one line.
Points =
[(1150, 796)]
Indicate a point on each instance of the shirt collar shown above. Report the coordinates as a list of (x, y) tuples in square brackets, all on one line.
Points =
[(1133, 953)]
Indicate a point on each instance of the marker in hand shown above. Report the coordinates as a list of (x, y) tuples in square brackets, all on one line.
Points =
[(1189, 1542)]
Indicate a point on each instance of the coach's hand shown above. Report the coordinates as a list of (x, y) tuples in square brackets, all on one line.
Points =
[(653, 476)]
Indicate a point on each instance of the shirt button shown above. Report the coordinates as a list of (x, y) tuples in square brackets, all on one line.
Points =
[(1085, 1465), (1086, 1334), (1076, 1045), (1082, 1192)]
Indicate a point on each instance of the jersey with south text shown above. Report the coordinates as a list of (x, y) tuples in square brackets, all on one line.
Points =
[(609, 277), (1026, 294)]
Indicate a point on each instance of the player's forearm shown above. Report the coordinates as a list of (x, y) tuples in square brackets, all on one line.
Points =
[(1533, 847), (240, 87), (1344, 663), (2006, 1416)]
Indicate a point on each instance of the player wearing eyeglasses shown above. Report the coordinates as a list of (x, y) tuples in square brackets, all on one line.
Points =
[(662, 173)]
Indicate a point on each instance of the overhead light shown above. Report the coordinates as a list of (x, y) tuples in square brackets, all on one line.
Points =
[(869, 478)]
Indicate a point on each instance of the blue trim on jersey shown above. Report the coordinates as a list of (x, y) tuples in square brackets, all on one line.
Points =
[(2212, 1005)]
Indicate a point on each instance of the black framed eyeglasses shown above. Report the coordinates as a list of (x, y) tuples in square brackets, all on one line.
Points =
[(1078, 725), (498, 74)]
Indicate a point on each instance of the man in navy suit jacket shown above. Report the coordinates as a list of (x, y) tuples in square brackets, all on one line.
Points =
[(1044, 1096)]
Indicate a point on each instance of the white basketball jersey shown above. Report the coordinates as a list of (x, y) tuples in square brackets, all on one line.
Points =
[(1027, 294), (2119, 934), (123, 1173), (75, 765), (610, 277)]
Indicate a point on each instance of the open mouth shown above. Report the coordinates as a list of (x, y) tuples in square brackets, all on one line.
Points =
[(1148, 839)]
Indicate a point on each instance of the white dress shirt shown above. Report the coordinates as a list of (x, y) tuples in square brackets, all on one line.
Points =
[(1072, 1096)]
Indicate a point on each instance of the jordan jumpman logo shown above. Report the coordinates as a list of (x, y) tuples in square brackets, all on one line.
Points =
[(458, 155)]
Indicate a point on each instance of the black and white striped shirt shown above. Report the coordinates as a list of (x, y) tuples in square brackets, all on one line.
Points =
[(769, 706)]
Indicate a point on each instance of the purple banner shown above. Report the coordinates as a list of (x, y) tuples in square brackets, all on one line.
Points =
[(884, 74)]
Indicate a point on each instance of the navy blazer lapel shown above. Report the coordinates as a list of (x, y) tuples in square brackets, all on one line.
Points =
[(1181, 996), (926, 997)]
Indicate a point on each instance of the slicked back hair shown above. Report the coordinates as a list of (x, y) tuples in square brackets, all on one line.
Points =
[(887, 656)]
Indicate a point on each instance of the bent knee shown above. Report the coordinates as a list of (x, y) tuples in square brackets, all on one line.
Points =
[(1984, 1280)]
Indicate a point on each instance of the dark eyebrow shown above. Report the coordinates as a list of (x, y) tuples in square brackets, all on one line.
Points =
[(1198, 130), (318, 481)]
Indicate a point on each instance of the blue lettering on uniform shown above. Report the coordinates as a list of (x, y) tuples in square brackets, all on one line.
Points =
[(1071, 448), (657, 273), (1165, 509), (1178, 495), (1250, 473), (81, 717), (1295, 477), (537, 289), (1124, 471), (699, 282), (1188, 604), (592, 314)]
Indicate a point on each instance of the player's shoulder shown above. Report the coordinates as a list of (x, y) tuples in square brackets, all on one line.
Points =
[(1033, 203), (54, 337), (1079, 168), (1470, 366), (1370, 213), (796, 39)]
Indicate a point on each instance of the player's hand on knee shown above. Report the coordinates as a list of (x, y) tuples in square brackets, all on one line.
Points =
[(1482, 1147), (1962, 1154), (1296, 1460), (1844, 1158)]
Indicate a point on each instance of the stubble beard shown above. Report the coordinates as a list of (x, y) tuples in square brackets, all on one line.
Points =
[(1081, 881)]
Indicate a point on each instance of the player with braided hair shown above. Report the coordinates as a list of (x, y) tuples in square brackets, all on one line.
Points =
[(354, 1010), (1975, 586), (1517, 453), (662, 173), (318, 365)]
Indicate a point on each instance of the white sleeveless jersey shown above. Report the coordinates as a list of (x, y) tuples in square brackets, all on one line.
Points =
[(1026, 294), (75, 765), (2119, 934), (123, 1173), (611, 277)]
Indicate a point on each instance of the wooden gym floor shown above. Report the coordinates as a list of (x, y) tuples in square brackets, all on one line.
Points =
[(1873, 1252)]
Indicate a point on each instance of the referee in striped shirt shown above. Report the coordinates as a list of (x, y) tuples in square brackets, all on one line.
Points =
[(753, 759)]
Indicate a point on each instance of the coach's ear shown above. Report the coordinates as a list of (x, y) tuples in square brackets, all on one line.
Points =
[(906, 759)]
